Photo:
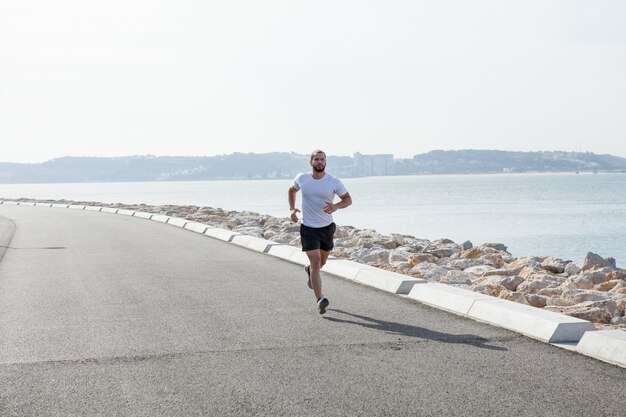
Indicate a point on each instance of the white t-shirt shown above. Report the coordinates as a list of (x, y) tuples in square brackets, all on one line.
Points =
[(315, 195)]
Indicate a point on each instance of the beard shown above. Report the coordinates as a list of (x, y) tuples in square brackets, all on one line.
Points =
[(319, 168)]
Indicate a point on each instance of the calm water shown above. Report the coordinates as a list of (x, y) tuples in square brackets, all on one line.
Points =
[(564, 215)]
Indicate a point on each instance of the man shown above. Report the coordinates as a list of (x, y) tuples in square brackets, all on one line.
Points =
[(317, 228)]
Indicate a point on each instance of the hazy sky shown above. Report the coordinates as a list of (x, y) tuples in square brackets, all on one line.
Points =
[(183, 77)]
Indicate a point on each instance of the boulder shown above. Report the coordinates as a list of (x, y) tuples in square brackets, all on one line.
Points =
[(494, 259), (457, 277), (460, 264), (517, 297), (576, 296), (397, 255), (489, 289), (444, 250), (538, 282), (473, 253), (429, 271), (479, 269), (466, 245), (594, 311), (505, 272), (594, 261), (536, 300), (524, 262), (607, 285), (572, 269), (416, 259), (496, 246), (510, 283), (554, 265)]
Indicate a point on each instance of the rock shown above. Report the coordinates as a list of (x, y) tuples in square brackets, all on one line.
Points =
[(580, 281), (494, 259), (530, 271), (376, 255), (607, 285), (572, 269), (473, 253), (489, 289), (517, 297), (619, 288), (415, 259), (460, 264), (399, 265), (537, 282), (479, 269), (524, 262), (593, 260), (576, 296), (443, 250), (496, 246), (595, 311), (397, 255), (618, 274), (536, 300), (429, 271), (457, 277), (505, 272), (510, 283), (554, 265), (466, 245)]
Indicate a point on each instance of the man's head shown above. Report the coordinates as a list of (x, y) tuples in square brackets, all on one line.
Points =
[(318, 160)]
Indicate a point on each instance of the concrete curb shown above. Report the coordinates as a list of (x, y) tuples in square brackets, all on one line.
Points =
[(605, 345), (554, 328)]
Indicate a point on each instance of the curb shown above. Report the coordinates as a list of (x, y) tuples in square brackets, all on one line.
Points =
[(554, 328)]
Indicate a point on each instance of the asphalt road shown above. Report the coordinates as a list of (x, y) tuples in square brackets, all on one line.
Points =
[(108, 315)]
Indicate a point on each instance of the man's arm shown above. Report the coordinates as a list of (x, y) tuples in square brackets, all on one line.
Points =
[(346, 200), (292, 204)]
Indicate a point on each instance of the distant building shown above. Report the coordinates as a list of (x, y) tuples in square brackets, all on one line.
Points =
[(370, 165)]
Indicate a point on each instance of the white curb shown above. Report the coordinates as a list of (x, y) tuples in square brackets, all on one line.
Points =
[(221, 234), (254, 243), (197, 227), (605, 345), (387, 280), (534, 322), (452, 299), (177, 221)]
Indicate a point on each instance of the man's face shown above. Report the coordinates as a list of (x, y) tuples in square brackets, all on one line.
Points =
[(319, 162)]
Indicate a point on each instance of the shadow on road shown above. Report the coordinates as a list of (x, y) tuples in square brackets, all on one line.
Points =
[(413, 331)]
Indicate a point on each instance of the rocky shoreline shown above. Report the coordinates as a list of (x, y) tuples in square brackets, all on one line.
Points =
[(594, 289)]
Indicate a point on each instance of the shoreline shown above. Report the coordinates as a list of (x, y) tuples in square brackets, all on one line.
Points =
[(594, 290)]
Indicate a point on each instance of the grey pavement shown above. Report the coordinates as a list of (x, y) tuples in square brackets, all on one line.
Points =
[(108, 315)]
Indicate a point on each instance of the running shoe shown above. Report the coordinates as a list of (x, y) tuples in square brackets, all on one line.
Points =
[(307, 269), (322, 303)]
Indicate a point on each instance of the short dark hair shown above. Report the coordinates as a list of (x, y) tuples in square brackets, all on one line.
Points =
[(315, 152)]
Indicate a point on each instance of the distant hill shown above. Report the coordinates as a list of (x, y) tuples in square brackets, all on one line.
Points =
[(287, 165)]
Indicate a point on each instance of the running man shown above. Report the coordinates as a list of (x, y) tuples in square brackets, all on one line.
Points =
[(317, 229)]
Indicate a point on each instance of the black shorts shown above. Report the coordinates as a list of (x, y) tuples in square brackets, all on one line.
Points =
[(317, 237)]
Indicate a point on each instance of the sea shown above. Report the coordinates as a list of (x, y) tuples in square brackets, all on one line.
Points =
[(564, 215)]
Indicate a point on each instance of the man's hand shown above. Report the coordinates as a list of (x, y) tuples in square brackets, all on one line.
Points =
[(294, 215), (330, 208)]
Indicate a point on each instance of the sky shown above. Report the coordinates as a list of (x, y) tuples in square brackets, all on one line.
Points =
[(208, 77)]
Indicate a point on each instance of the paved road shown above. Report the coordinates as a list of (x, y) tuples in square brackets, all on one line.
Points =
[(105, 315)]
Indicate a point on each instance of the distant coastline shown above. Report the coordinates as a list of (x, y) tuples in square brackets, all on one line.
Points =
[(282, 165)]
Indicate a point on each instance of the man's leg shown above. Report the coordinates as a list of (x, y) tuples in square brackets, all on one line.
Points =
[(315, 260), (324, 256)]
